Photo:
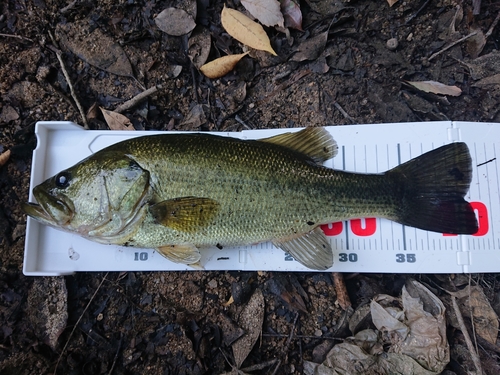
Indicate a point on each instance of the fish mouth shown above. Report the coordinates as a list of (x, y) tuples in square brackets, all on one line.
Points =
[(50, 210)]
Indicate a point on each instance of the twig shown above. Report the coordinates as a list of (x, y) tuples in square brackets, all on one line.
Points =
[(78, 322), (283, 336), (260, 366), (137, 99), (17, 37), (344, 113), (417, 12), (341, 290), (116, 355), (493, 25), (452, 45), (463, 328)]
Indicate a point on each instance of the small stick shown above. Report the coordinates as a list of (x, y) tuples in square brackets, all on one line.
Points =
[(468, 341), (342, 295), (78, 321), (344, 113), (417, 12), (137, 99), (452, 45), (17, 37), (493, 25)]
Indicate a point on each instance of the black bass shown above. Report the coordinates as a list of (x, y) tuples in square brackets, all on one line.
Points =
[(179, 193)]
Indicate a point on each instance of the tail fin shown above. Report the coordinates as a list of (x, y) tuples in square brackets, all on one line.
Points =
[(433, 189)]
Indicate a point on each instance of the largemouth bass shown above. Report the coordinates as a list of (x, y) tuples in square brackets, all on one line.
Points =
[(179, 193)]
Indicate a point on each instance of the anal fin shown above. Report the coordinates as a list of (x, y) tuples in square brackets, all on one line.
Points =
[(311, 249), (185, 254)]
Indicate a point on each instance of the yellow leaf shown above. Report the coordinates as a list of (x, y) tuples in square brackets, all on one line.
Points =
[(116, 121), (246, 31), (221, 66)]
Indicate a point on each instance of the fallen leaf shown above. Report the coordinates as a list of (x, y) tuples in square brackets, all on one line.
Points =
[(94, 47), (490, 81), (310, 49), (292, 14), (199, 47), (8, 114), (116, 121), (174, 21), (392, 2), (4, 157), (475, 44), (436, 88), (266, 11), (195, 118), (472, 300), (221, 66), (251, 319), (246, 31), (484, 66)]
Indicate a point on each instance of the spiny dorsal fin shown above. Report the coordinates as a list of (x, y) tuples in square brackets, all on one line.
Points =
[(186, 214), (317, 143), (311, 249)]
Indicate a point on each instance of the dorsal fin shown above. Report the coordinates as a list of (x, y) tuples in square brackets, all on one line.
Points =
[(317, 143)]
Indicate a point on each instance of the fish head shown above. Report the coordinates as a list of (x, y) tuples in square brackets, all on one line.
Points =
[(101, 197)]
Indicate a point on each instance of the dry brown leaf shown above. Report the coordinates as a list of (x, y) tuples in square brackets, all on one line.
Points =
[(176, 22), (116, 121), (436, 88), (221, 66), (246, 31), (199, 47), (491, 81), (292, 14), (310, 49), (94, 47), (4, 157), (392, 2), (266, 11), (474, 45), (473, 301), (251, 320)]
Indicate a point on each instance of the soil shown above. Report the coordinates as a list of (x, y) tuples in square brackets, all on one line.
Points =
[(184, 322)]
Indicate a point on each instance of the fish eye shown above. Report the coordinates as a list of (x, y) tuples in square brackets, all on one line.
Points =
[(62, 180)]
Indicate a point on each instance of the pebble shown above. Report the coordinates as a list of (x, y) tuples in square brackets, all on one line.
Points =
[(392, 44)]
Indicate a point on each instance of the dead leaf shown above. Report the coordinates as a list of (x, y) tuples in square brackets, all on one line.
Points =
[(94, 47), (292, 14), (4, 157), (199, 47), (436, 88), (484, 66), (246, 31), (475, 44), (174, 21), (251, 320), (266, 11), (473, 301), (221, 66), (310, 49), (116, 121), (392, 2), (490, 81), (194, 119)]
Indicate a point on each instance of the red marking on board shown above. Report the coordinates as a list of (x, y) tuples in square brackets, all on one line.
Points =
[(333, 229), (482, 219), (369, 228)]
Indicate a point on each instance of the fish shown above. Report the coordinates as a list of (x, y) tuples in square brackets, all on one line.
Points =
[(181, 193)]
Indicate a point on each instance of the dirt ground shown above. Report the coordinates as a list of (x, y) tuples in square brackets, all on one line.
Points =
[(186, 322)]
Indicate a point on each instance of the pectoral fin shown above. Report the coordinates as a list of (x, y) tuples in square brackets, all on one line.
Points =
[(311, 249), (186, 214), (186, 254)]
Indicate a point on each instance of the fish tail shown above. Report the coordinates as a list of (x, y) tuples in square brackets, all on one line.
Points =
[(432, 189)]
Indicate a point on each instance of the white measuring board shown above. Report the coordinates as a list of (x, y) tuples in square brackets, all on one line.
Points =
[(363, 245)]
